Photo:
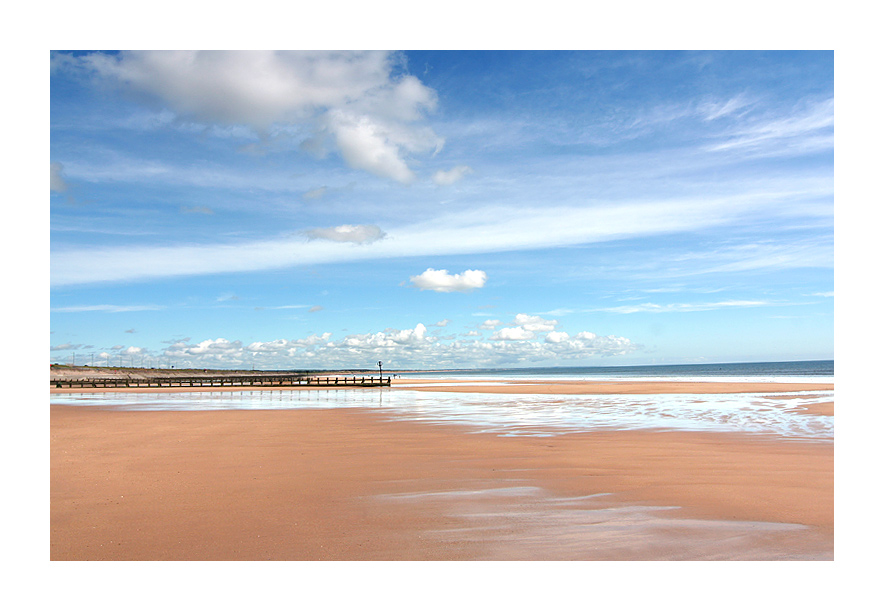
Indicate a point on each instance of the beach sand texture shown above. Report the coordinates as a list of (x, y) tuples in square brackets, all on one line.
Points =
[(355, 484)]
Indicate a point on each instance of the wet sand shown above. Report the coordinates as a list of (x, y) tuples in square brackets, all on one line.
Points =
[(352, 484), (616, 387)]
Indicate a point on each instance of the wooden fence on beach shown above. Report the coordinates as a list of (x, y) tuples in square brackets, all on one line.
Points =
[(299, 381)]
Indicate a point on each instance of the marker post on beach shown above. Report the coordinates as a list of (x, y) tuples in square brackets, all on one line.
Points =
[(381, 371)]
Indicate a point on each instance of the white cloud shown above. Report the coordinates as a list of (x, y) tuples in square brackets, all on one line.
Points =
[(535, 323), (490, 324), (453, 175), (358, 234), (487, 229), (407, 348), (556, 337), (808, 128), (376, 147), (391, 338), (684, 307), (512, 333), (711, 110), (349, 98), (107, 308), (527, 328), (219, 352), (441, 281)]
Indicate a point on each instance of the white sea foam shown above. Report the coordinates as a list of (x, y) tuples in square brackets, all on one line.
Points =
[(781, 414)]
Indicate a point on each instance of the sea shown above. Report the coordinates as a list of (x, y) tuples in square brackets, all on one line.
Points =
[(783, 415), (785, 371)]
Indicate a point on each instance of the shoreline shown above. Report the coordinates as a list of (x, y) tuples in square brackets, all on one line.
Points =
[(356, 484), (535, 386)]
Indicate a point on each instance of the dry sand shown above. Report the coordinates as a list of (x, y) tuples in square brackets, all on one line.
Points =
[(353, 484)]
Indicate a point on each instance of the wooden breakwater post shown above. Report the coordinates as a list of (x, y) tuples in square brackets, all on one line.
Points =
[(228, 381)]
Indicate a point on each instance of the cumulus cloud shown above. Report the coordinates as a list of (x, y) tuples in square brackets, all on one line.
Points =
[(556, 337), (526, 328), (587, 342), (217, 352), (358, 234), (441, 281), (409, 348), (357, 102), (513, 333), (535, 323), (453, 175), (490, 324), (406, 348), (368, 145)]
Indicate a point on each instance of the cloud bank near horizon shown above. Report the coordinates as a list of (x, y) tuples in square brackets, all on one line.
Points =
[(398, 348)]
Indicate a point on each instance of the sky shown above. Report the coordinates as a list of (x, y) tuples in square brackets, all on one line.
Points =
[(440, 209)]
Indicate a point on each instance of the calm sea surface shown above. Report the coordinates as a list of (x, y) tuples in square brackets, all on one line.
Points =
[(805, 371), (784, 415)]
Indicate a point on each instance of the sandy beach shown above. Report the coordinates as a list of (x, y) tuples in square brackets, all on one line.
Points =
[(357, 484)]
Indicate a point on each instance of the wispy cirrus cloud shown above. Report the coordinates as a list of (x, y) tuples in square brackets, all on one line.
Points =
[(684, 307), (480, 230), (807, 128), (65, 346), (107, 308)]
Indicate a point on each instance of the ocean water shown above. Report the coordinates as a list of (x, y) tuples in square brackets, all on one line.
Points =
[(783, 415), (787, 371)]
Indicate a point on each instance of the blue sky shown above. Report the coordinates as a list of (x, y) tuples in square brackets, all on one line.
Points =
[(441, 209)]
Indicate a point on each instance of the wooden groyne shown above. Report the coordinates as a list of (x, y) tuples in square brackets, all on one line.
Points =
[(228, 381)]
